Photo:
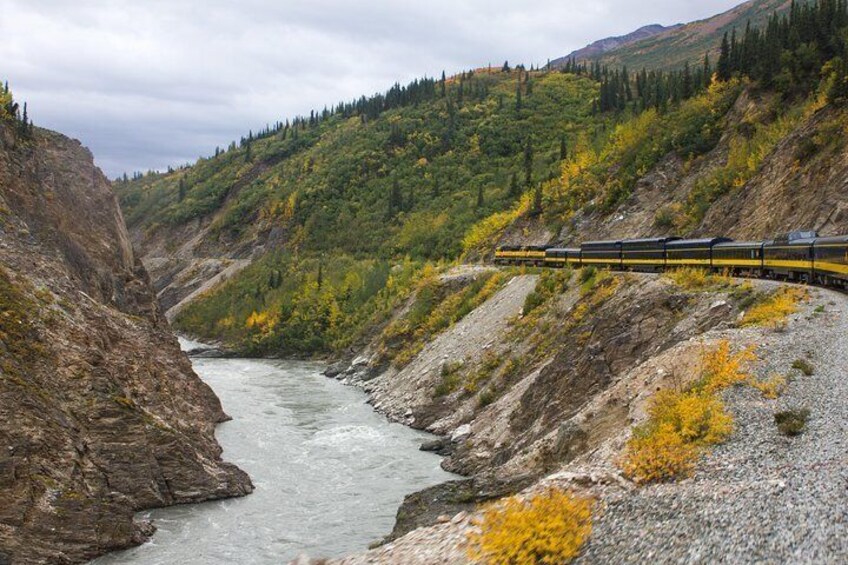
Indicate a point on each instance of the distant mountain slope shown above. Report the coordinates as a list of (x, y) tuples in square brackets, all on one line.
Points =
[(601, 47), (674, 46)]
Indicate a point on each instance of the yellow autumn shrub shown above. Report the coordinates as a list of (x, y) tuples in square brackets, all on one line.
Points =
[(721, 368), (658, 455), (697, 417), (770, 388), (696, 278), (682, 422), (549, 528), (773, 311)]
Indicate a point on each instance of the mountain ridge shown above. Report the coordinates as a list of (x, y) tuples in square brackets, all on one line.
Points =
[(600, 47), (682, 43)]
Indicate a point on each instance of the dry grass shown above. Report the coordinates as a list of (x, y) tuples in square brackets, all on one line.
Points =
[(551, 527)]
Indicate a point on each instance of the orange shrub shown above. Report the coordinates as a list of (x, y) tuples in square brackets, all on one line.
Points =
[(550, 528)]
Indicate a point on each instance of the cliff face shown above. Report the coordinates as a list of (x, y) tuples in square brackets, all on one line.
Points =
[(100, 413)]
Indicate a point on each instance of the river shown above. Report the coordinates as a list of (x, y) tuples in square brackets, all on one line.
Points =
[(329, 472)]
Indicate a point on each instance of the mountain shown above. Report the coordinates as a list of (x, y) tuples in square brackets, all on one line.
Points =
[(101, 414), (673, 46), (599, 48)]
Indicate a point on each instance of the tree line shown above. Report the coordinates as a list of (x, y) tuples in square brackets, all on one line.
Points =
[(14, 113), (790, 54)]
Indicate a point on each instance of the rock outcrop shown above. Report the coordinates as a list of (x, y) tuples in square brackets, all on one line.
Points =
[(101, 414)]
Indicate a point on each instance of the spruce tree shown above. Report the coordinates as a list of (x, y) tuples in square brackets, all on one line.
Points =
[(537, 199), (723, 67), (395, 200), (563, 148), (514, 190), (708, 71), (528, 163)]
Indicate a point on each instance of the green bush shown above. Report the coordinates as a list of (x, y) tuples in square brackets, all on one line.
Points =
[(792, 422), (804, 366)]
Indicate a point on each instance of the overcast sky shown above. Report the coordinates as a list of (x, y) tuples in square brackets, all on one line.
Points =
[(151, 83)]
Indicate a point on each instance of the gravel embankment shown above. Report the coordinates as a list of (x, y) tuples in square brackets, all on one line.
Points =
[(761, 497)]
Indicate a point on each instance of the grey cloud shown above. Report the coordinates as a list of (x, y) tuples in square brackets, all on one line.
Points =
[(147, 84)]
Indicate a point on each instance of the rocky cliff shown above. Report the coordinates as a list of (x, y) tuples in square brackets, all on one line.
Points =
[(101, 414)]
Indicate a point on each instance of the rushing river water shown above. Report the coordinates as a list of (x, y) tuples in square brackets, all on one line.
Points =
[(329, 471)]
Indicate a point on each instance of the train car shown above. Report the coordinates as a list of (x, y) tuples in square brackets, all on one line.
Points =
[(830, 260), (601, 254), (692, 252), (645, 254), (534, 254), (740, 257), (505, 254), (562, 256), (521, 255), (790, 256)]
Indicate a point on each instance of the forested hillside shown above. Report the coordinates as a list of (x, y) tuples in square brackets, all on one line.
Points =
[(340, 213)]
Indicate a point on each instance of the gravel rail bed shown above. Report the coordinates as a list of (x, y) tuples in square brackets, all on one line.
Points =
[(760, 497)]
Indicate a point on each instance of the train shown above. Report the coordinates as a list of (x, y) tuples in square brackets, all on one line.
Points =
[(798, 256)]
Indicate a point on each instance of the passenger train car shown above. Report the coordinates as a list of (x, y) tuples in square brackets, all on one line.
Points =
[(800, 256)]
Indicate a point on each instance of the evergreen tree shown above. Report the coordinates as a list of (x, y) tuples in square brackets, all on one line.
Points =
[(537, 199), (514, 190), (409, 204), (480, 201), (505, 67), (443, 85), (687, 86), (181, 193), (563, 148), (395, 200), (528, 163), (707, 70), (518, 98), (723, 68)]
